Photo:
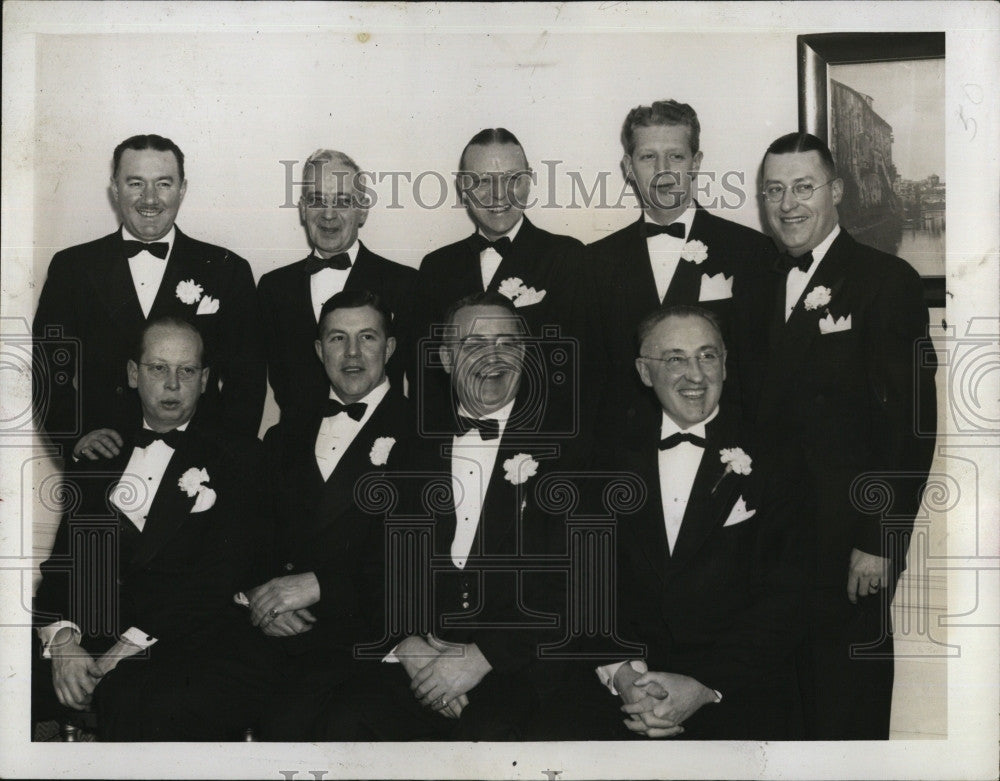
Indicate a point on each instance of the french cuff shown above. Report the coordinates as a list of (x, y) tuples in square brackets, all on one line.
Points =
[(718, 695), (48, 633), (137, 637), (391, 658), (606, 674)]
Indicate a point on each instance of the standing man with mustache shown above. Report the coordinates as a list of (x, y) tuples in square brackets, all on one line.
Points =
[(677, 252), (99, 295), (333, 208), (538, 270)]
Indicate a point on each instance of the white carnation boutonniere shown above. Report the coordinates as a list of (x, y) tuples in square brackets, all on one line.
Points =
[(380, 450), (189, 291), (695, 251), (736, 460), (818, 298), (192, 483), (519, 468), (519, 293)]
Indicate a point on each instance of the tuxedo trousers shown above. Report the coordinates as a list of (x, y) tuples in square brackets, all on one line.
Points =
[(382, 707), (846, 667)]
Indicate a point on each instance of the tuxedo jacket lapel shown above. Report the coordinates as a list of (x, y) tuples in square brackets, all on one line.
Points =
[(648, 530), (636, 271), (113, 280), (705, 508)]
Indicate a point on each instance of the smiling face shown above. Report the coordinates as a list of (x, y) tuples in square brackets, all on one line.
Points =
[(170, 400), (354, 348), (486, 361), (686, 367), (148, 190), (801, 225), (331, 209), (495, 185), (660, 168)]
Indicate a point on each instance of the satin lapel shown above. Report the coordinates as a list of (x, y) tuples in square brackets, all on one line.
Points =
[(301, 306), (501, 508), (470, 275), (362, 275), (523, 260), (635, 273), (112, 280), (435, 455), (685, 287), (171, 506), (645, 530), (179, 267)]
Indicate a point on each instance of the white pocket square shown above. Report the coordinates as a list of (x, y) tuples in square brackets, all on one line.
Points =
[(739, 513), (830, 326), (715, 288), (208, 306)]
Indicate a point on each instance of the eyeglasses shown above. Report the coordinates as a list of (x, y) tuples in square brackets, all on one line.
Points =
[(337, 202), (802, 191), (708, 361), (160, 371)]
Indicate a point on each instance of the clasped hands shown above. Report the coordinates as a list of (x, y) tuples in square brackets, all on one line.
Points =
[(442, 673), (75, 673), (280, 606), (658, 703)]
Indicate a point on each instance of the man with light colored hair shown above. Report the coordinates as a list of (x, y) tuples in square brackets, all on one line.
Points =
[(332, 208)]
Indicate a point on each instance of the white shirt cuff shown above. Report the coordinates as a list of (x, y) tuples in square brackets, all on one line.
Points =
[(137, 637), (48, 633), (391, 658), (606, 673)]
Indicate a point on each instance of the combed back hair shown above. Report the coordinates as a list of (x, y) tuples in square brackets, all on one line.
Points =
[(353, 299), (662, 112), (486, 298), (804, 142), (330, 156), (147, 141), (491, 135), (661, 313), (169, 321)]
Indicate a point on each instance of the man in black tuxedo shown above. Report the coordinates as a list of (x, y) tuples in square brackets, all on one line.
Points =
[(712, 566), (847, 391), (333, 207), (326, 561), (468, 671), (102, 293), (677, 252), (135, 604), (539, 271)]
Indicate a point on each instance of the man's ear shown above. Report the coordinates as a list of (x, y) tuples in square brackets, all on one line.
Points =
[(390, 347), (696, 161), (444, 351), (837, 190), (133, 374), (183, 191), (318, 345), (204, 378), (626, 165), (643, 369)]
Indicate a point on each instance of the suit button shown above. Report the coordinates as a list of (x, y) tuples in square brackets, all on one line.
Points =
[(465, 605), (119, 390), (289, 567), (465, 595)]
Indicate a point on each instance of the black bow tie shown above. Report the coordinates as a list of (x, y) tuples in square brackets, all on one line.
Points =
[(355, 411), (681, 436), (145, 437), (488, 429), (786, 262), (675, 229), (501, 245), (158, 248), (340, 261)]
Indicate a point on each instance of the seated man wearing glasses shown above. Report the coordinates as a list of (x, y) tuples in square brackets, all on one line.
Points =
[(537, 270), (333, 207), (135, 607)]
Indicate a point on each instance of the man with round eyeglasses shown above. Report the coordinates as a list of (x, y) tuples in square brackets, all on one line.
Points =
[(847, 389)]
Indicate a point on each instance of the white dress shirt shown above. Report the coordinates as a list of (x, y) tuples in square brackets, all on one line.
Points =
[(665, 251), (147, 269), (336, 433), (489, 258), (472, 463), (797, 280), (328, 282), (133, 495)]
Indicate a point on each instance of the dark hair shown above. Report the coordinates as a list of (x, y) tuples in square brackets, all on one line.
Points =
[(150, 141), (662, 312), (486, 298), (804, 142), (169, 321), (353, 299), (662, 112), (491, 135)]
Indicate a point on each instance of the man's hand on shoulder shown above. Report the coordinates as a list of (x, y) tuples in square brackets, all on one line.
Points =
[(97, 444), (75, 674)]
